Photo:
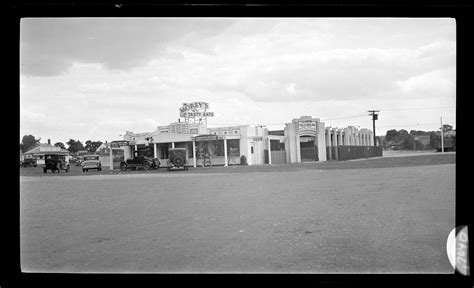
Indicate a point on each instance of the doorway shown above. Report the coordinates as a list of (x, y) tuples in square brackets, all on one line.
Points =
[(308, 149)]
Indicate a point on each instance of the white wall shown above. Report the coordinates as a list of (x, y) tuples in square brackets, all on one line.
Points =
[(321, 142)]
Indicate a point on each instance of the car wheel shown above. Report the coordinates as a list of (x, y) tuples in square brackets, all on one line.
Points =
[(87, 170), (178, 161), (45, 170), (123, 167), (146, 165), (67, 169)]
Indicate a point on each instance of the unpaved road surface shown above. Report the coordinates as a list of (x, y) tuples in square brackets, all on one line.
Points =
[(343, 220)]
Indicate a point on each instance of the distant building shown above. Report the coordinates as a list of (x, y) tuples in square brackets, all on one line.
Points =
[(46, 148)]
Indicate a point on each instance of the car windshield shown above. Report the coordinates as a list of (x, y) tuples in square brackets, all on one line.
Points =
[(91, 157)]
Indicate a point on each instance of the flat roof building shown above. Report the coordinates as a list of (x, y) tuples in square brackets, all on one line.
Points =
[(303, 139)]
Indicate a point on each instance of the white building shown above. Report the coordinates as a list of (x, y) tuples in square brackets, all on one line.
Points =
[(303, 139)]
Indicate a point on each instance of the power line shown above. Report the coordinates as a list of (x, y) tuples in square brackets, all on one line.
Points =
[(419, 108), (345, 117), (283, 123), (409, 125)]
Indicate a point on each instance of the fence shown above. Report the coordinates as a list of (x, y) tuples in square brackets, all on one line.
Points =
[(355, 152), (278, 156)]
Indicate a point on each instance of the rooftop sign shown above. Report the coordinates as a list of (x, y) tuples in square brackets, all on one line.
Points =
[(195, 110), (50, 149)]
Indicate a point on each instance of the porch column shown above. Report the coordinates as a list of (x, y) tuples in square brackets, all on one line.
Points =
[(155, 152), (111, 161), (269, 152), (225, 151), (298, 150), (330, 145), (172, 144), (194, 153)]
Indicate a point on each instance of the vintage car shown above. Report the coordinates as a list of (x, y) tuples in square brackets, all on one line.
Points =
[(177, 159), (29, 162), (91, 162), (140, 162), (55, 162)]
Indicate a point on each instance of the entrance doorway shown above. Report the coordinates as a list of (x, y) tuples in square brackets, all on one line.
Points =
[(308, 149)]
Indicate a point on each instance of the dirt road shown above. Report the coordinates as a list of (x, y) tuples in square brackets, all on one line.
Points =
[(322, 221)]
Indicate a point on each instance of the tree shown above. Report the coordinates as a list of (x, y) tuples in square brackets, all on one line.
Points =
[(60, 145), (392, 135), (92, 146), (418, 133), (29, 142), (74, 146)]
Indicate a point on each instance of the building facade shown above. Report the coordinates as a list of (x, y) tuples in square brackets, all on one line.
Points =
[(41, 150), (303, 139)]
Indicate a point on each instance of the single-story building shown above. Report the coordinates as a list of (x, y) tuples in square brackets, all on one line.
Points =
[(303, 139), (46, 148)]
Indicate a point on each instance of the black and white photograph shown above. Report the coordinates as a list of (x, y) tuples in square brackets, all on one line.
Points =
[(279, 145)]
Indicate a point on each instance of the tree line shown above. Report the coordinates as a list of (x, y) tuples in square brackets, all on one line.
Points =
[(404, 140), (29, 142)]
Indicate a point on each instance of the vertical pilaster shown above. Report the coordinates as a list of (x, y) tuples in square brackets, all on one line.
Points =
[(225, 152), (194, 153)]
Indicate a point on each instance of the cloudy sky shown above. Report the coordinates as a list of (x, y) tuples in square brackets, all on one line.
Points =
[(95, 78)]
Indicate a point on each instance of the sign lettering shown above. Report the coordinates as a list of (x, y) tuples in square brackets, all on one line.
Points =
[(195, 110), (117, 144), (206, 137), (49, 149)]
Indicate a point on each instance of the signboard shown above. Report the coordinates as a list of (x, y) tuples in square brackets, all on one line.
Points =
[(206, 137), (195, 110), (307, 125), (198, 114), (50, 149), (257, 138), (306, 139), (117, 144)]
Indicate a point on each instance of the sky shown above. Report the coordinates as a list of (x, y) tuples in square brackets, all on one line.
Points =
[(96, 78)]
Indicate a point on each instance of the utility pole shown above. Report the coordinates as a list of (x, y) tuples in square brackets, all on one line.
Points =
[(374, 117), (442, 137)]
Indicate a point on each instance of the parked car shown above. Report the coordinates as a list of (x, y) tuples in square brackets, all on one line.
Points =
[(140, 162), (55, 162), (177, 159), (29, 162), (91, 162)]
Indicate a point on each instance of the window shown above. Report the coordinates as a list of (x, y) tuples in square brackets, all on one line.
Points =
[(144, 150), (276, 145), (218, 148), (233, 147), (189, 146), (163, 150), (251, 149)]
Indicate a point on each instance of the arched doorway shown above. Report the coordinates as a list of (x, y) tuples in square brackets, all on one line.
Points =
[(308, 148)]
